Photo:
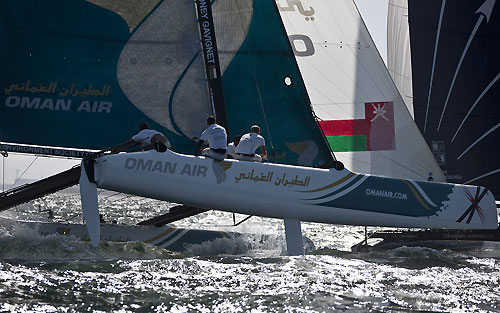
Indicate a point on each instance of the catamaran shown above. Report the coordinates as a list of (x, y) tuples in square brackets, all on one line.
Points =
[(144, 62)]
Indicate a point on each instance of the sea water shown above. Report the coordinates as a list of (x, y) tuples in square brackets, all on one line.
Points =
[(63, 274)]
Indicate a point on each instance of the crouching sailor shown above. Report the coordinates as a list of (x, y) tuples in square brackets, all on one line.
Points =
[(147, 139), (245, 151), (217, 140)]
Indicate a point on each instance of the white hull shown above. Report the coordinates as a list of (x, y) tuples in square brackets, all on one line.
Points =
[(296, 193)]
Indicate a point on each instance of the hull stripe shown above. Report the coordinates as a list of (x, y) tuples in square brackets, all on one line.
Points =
[(422, 193), (165, 243), (333, 196), (353, 182), (417, 195), (338, 182), (160, 235)]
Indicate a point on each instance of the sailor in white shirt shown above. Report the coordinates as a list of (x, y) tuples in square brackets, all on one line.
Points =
[(217, 140), (147, 138), (245, 151)]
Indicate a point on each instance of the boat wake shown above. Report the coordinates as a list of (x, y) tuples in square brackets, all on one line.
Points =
[(24, 243)]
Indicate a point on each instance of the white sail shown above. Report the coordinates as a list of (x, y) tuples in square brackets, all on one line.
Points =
[(352, 92), (398, 50)]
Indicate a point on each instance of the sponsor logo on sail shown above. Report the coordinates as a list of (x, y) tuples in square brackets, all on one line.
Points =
[(206, 31)]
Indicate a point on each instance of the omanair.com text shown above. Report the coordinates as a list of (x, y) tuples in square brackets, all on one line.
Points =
[(386, 194)]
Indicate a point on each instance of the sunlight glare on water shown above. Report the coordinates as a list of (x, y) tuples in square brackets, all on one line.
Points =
[(57, 273)]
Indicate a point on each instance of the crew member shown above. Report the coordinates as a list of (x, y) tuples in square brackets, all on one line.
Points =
[(245, 151), (149, 139), (217, 140)]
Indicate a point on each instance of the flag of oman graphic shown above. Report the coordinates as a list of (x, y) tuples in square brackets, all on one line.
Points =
[(373, 133)]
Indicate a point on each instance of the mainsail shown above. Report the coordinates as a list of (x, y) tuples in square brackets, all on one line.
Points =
[(67, 72), (161, 71), (455, 73), (363, 115), (83, 74)]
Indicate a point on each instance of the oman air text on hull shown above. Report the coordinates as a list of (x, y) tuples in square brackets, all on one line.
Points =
[(165, 167)]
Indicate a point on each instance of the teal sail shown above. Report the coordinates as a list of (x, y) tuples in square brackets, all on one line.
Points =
[(84, 74), (77, 74), (263, 85)]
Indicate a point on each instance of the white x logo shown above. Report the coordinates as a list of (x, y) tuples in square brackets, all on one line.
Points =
[(379, 112)]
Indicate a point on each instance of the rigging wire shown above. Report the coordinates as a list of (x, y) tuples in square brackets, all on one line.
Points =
[(36, 158)]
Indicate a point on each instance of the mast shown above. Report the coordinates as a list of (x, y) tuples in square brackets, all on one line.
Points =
[(211, 61)]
